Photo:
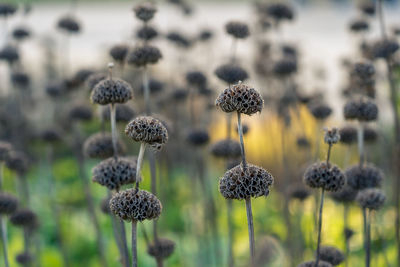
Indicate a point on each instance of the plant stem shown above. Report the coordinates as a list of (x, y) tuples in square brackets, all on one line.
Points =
[(345, 224), (240, 132), (139, 163), (230, 232), (328, 155), (114, 134), (360, 139), (251, 230), (368, 234), (319, 226), (117, 235), (1, 175), (146, 91), (123, 239), (365, 234), (134, 244), (3, 230)]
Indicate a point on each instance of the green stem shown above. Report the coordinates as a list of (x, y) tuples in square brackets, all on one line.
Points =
[(139, 163), (3, 230), (230, 233), (134, 244), (320, 226), (240, 132), (114, 133), (251, 231)]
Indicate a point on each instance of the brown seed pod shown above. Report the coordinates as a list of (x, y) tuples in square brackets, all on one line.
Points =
[(226, 148), (100, 146), (360, 178), (326, 176), (144, 55), (111, 91), (348, 135), (320, 111), (332, 255), (371, 198), (362, 109), (119, 52), (346, 195), (198, 137), (94, 79), (162, 248), (231, 74), (135, 205)]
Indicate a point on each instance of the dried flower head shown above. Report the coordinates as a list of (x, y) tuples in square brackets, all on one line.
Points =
[(8, 203), (94, 79), (123, 113), (303, 142), (280, 12), (370, 135), (55, 89), (24, 218), (21, 33), (226, 148), (298, 191), (111, 91), (5, 148), (179, 39), (100, 145), (9, 54), (241, 98), (348, 135), (238, 183), (162, 248), (69, 24), (323, 175), (348, 233), (198, 137), (146, 33), (148, 130), (368, 8), (115, 172), (50, 135), (231, 74), (346, 195), (18, 162), (312, 264), (320, 111), (360, 178), (135, 205), (332, 136), (361, 108), (237, 29), (105, 205), (331, 254), (144, 55), (155, 86), (118, 52), (359, 25), (371, 198), (196, 78), (80, 112), (24, 258), (145, 11), (7, 9), (205, 35), (384, 48), (285, 66), (20, 79)]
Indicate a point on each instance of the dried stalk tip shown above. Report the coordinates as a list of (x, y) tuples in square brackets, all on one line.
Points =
[(144, 55), (226, 148), (162, 248), (331, 136), (135, 205), (100, 146), (237, 29), (331, 255), (111, 91), (371, 198), (360, 178), (326, 176), (8, 204), (145, 11)]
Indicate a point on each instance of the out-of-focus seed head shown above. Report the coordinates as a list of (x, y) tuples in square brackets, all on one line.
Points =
[(9, 54), (69, 24), (196, 78), (105, 205), (231, 74), (285, 66), (123, 113), (5, 149), (238, 183), (24, 218), (332, 136), (303, 142), (8, 203), (162, 248), (320, 111), (226, 148), (359, 25), (50, 135), (100, 146), (24, 258), (384, 48), (198, 137), (312, 264), (135, 205), (361, 108), (331, 254), (370, 135), (205, 35), (346, 195), (298, 191), (326, 176), (7, 9), (21, 33), (145, 11), (348, 135), (147, 130), (179, 94), (360, 178), (20, 79), (237, 29), (111, 91), (118, 52), (55, 89), (82, 75), (368, 8), (363, 70), (371, 198), (155, 86), (241, 98), (115, 172), (94, 79), (280, 12), (179, 39), (146, 33), (80, 112), (144, 55), (18, 162)]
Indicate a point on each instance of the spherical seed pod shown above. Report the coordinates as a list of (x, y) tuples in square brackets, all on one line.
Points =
[(370, 135), (231, 74), (5, 149), (123, 113), (105, 205), (346, 195), (24, 218), (280, 12), (298, 191), (179, 39), (332, 136), (312, 264), (146, 33), (237, 29), (241, 98), (145, 11), (24, 258), (285, 67), (384, 48), (50, 135), (332, 255), (198, 137), (226, 148), (363, 70), (162, 248), (155, 86), (8, 203), (21, 33), (241, 184), (69, 24), (144, 55), (320, 111), (135, 205), (99, 145), (94, 79), (362, 109), (348, 135), (118, 52), (359, 25), (18, 162), (196, 78), (80, 112), (360, 178), (111, 91), (371, 198), (9, 53), (147, 130), (115, 172), (322, 175), (303, 142), (7, 9)]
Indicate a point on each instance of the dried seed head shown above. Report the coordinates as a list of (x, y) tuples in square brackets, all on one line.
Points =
[(312, 264), (80, 112), (331, 254), (145, 11), (241, 98), (280, 12), (196, 78), (162, 248), (198, 137), (370, 135), (348, 135), (360, 178), (298, 191), (7, 9), (21, 33), (8, 203), (24, 258), (231, 74), (322, 175), (179, 39), (348, 233), (123, 113), (94, 79), (384, 48), (362, 109), (155, 86), (18, 162), (105, 205), (24, 218), (320, 111), (285, 67), (55, 89), (226, 148), (20, 79), (50, 135), (371, 198), (5, 148), (9, 54), (144, 55), (69, 24), (368, 8), (303, 142), (359, 25), (146, 33), (346, 195), (100, 146), (135, 205), (179, 94), (205, 35), (111, 91), (147, 130), (363, 71), (237, 29), (240, 184), (119, 52), (115, 172), (332, 136)]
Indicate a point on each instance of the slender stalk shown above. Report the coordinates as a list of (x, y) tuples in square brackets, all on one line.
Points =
[(123, 239), (134, 244), (139, 163), (328, 154), (345, 224), (233, 50), (365, 233), (319, 226), (251, 230), (360, 141), (1, 175), (4, 239), (368, 237), (230, 233), (117, 236), (114, 133), (146, 91), (240, 132)]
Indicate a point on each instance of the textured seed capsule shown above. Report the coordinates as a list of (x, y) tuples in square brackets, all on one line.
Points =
[(119, 52), (371, 198), (80, 112), (69, 24), (348, 135), (320, 111), (144, 55), (298, 191), (9, 53), (146, 33), (362, 109), (360, 178), (145, 11), (237, 29), (111, 91), (24, 218), (94, 79), (161, 249), (322, 175), (280, 11), (331, 254), (331, 136), (346, 195), (100, 146)]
